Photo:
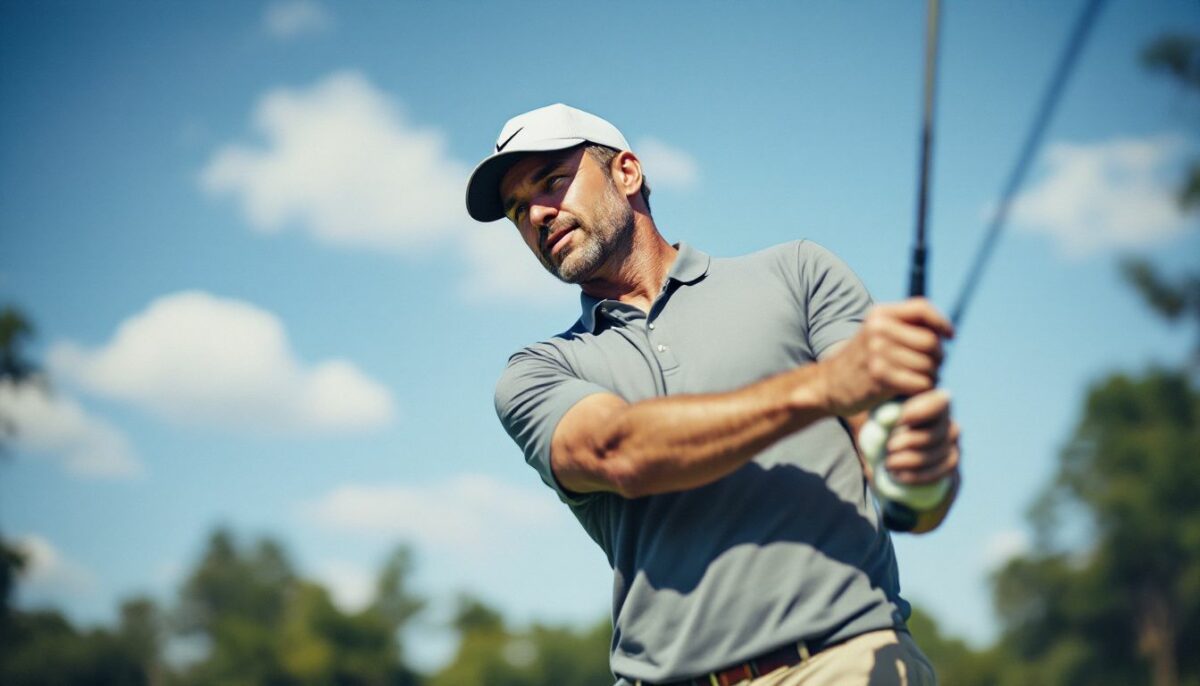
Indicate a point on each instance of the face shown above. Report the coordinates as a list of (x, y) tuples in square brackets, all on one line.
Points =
[(569, 212)]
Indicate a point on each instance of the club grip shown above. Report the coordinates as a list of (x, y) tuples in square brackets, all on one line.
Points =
[(900, 502)]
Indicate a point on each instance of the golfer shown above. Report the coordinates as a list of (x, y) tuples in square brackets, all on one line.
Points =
[(699, 419)]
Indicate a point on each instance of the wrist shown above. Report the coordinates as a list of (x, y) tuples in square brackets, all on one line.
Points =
[(810, 396)]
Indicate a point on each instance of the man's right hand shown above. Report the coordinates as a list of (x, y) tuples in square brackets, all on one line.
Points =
[(896, 352)]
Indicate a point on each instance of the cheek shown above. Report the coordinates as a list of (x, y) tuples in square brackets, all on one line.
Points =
[(530, 238)]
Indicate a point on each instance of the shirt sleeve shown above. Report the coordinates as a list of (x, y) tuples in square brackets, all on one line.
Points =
[(534, 392), (836, 298)]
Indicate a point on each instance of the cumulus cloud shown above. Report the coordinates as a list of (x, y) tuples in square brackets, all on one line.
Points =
[(1116, 194), (57, 427), (1002, 546), (199, 359), (351, 586), (469, 513), (49, 572), (500, 266), (666, 166), (340, 160), (294, 18)]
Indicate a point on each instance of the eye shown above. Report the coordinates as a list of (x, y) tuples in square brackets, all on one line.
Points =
[(555, 182)]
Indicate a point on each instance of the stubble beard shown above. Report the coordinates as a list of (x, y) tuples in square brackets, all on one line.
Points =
[(594, 243)]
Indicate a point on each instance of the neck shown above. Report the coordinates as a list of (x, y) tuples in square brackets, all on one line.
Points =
[(635, 275)]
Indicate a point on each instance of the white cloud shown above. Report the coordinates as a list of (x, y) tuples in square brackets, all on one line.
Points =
[(294, 18), (1117, 194), (469, 514), (351, 586), (666, 166), (341, 162), (500, 266), (51, 424), (199, 359), (48, 572), (1002, 546)]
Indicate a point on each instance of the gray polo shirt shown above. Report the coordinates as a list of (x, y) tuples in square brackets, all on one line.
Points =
[(789, 546)]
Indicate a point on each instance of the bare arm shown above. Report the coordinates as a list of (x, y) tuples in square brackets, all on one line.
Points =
[(680, 442)]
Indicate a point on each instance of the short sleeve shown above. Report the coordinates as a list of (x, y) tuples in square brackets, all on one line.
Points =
[(836, 299), (534, 392)]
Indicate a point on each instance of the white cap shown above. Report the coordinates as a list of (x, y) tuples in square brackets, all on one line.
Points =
[(554, 127)]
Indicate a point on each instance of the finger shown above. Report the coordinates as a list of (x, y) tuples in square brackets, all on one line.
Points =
[(916, 467), (913, 337), (900, 381), (927, 437), (921, 311), (926, 408), (911, 360)]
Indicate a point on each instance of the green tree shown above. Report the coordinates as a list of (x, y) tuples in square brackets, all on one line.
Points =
[(15, 333), (266, 625), (491, 653), (1177, 55), (1176, 298), (1119, 611), (12, 561), (15, 368), (955, 662), (43, 648)]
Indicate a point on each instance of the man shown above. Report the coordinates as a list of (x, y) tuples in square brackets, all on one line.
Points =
[(698, 421)]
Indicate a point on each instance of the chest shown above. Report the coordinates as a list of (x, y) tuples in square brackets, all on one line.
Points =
[(695, 340)]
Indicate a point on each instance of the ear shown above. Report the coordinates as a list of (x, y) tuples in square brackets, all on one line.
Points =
[(626, 171)]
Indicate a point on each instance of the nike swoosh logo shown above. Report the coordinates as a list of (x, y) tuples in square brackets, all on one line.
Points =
[(500, 146)]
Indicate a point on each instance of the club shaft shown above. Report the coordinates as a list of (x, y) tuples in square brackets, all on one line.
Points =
[(1033, 141), (917, 281)]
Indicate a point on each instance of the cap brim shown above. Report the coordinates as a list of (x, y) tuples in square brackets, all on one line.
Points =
[(483, 188)]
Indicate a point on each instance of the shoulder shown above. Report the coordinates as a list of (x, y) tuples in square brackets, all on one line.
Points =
[(798, 264), (790, 255), (555, 347), (537, 360)]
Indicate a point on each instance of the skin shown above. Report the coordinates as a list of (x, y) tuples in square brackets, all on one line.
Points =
[(593, 229)]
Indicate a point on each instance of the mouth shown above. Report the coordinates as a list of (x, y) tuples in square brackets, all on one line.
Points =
[(556, 240)]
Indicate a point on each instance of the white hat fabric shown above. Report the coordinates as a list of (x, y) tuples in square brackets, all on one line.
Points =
[(554, 127)]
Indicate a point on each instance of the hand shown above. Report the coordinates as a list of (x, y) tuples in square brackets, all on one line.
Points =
[(923, 446), (897, 352)]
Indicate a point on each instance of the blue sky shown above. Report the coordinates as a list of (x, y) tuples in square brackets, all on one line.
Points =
[(239, 229)]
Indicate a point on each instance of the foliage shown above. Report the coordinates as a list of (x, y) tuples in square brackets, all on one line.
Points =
[(955, 661), (489, 653), (15, 333), (265, 625), (43, 648), (1117, 612), (1178, 56)]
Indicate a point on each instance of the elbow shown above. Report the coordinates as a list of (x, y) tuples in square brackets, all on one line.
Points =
[(625, 478), (621, 468), (606, 464)]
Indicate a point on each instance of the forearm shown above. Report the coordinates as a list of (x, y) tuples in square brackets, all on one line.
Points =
[(676, 443)]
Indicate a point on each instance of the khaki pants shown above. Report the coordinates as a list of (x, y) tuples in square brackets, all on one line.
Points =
[(878, 658)]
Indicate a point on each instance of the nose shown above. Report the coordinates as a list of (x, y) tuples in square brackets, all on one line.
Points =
[(541, 214)]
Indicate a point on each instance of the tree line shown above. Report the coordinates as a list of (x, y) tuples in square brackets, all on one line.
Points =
[(1122, 608)]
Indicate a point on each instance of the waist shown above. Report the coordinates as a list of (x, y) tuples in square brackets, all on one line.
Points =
[(787, 655)]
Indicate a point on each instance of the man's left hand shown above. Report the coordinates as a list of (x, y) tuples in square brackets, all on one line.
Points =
[(923, 447)]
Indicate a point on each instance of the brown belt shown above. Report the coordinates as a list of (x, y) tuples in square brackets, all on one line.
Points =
[(785, 656)]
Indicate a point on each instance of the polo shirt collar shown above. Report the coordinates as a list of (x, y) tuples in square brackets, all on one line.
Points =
[(689, 267)]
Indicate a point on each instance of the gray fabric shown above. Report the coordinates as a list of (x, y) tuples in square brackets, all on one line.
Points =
[(789, 547)]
